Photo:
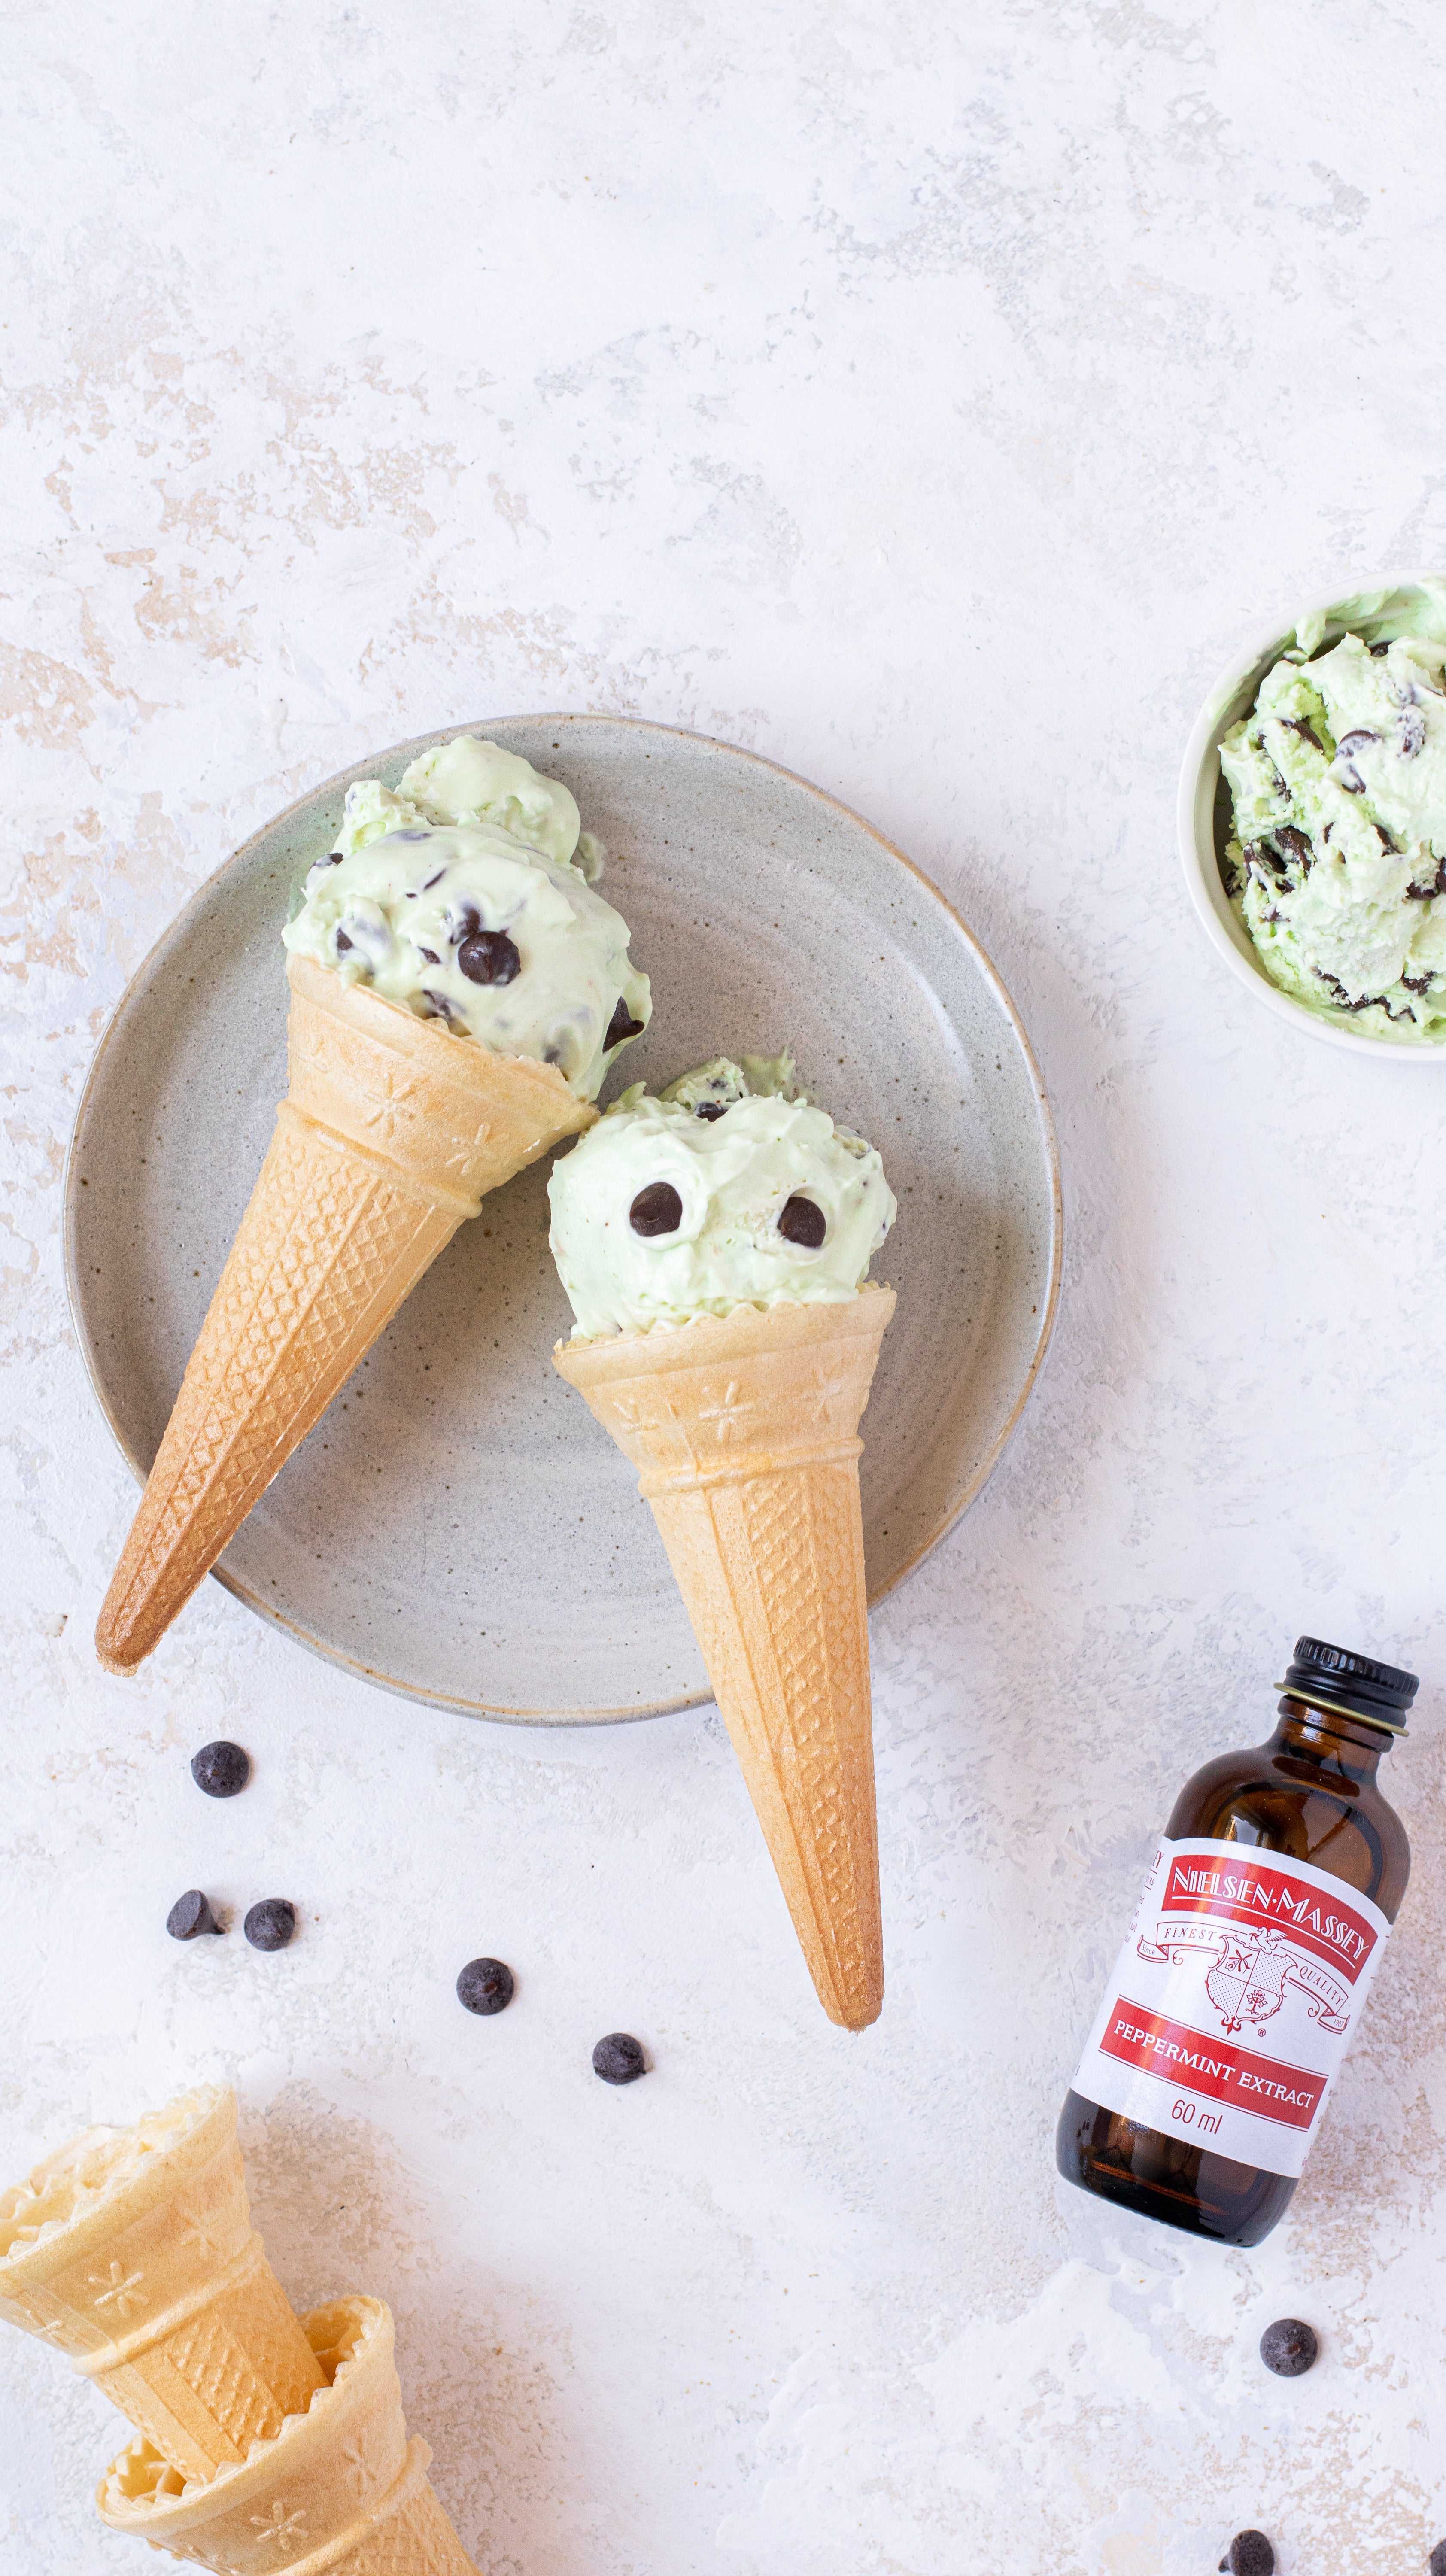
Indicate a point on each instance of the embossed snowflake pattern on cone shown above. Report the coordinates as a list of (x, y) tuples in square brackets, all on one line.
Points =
[(340, 2489), (391, 1133), (744, 1427), (132, 2250)]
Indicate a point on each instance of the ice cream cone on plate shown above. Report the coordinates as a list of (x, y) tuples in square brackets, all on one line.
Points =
[(744, 1428), (390, 1133), (338, 2489), (712, 1242), (458, 992), (133, 2251)]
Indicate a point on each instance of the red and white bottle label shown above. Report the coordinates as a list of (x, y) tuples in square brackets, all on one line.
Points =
[(1233, 2001)]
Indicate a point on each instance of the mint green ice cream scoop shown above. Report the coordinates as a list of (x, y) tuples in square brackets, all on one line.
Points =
[(719, 1192)]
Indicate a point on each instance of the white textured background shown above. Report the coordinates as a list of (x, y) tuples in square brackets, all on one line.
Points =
[(926, 395)]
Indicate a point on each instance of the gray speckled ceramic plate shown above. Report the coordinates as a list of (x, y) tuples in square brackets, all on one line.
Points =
[(458, 1526)]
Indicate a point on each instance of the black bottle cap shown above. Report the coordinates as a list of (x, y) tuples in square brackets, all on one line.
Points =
[(1328, 1677)]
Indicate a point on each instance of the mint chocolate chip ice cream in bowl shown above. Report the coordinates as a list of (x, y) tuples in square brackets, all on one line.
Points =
[(1312, 818)]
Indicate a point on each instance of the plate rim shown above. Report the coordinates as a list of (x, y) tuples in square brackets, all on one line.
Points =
[(340, 780)]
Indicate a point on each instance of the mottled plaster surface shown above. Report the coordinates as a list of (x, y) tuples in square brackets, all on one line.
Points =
[(927, 397)]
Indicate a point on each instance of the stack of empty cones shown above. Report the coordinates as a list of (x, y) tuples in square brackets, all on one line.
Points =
[(267, 2442)]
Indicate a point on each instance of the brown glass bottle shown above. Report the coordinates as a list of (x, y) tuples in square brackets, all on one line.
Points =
[(1310, 1793)]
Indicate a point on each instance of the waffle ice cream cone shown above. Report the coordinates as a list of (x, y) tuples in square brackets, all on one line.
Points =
[(744, 1428), (133, 2251), (390, 1134), (339, 2488)]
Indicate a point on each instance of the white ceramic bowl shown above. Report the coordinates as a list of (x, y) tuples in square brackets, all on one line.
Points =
[(1230, 698)]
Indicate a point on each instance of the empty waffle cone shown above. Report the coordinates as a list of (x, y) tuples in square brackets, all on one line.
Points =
[(391, 1134), (745, 1429), (133, 2251), (340, 2488)]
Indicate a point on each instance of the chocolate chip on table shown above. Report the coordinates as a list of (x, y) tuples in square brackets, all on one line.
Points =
[(269, 1925), (189, 1915), (656, 1210), (489, 957), (1436, 2563), (802, 1221), (1249, 2554), (221, 1769), (1289, 2347), (621, 1025), (619, 2058), (486, 1986)]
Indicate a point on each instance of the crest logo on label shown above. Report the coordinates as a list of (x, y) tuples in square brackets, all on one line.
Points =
[(1247, 1972)]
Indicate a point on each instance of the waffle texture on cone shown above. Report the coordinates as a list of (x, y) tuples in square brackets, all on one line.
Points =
[(339, 2489), (390, 1135), (744, 1430), (133, 2251)]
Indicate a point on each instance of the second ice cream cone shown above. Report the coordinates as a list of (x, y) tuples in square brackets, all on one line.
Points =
[(341, 2489), (744, 1428), (133, 2251), (390, 1134)]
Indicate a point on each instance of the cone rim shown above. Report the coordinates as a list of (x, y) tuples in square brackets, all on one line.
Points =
[(432, 1043), (785, 1323), (134, 2168), (201, 2500)]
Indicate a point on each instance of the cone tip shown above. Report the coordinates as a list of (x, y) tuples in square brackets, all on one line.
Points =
[(115, 1649), (858, 2015)]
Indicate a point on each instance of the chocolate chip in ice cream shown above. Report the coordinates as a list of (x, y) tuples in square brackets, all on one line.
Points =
[(1289, 2347), (342, 943), (430, 955), (270, 1925), (1344, 763), (711, 1109), (486, 1986), (1413, 733), (190, 1915), (656, 1210), (619, 2058), (1249, 2554), (1294, 843), (1302, 725), (489, 957), (802, 1221), (621, 1025), (221, 1769)]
